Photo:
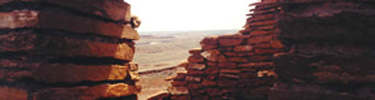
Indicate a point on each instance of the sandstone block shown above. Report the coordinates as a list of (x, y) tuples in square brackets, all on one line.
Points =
[(178, 90), (262, 23), (276, 44), (52, 73), (209, 42), (230, 71), (87, 93), (243, 48), (62, 46), (237, 59), (77, 24), (8, 93), (213, 91), (179, 83), (208, 83), (195, 72), (196, 66), (259, 39), (133, 66), (230, 42), (196, 59), (233, 76), (193, 79), (195, 51), (233, 54), (262, 45), (257, 64), (76, 73), (134, 76), (213, 55), (114, 9), (266, 51)]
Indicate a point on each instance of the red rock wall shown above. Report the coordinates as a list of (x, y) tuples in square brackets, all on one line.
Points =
[(66, 50), (289, 50), (233, 67), (331, 51)]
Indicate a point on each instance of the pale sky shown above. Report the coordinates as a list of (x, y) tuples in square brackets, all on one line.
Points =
[(186, 15)]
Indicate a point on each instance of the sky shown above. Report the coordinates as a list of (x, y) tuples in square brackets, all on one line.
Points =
[(190, 15)]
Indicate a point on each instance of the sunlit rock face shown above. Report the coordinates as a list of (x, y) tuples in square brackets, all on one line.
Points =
[(289, 50), (67, 50)]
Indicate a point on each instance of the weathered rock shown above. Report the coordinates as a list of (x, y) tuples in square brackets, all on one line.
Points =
[(8, 93), (242, 48), (230, 42), (52, 73), (162, 95), (208, 83), (115, 9), (213, 55), (196, 59), (260, 39), (178, 90), (209, 42), (42, 44), (87, 93), (47, 20), (196, 66), (195, 51)]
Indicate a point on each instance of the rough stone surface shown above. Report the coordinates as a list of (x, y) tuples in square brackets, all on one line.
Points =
[(87, 93), (47, 20), (62, 46), (8, 93), (115, 9)]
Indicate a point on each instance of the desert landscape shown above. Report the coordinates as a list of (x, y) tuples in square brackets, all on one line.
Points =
[(158, 53)]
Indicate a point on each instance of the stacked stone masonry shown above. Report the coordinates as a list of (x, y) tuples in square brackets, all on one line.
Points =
[(67, 50), (288, 50)]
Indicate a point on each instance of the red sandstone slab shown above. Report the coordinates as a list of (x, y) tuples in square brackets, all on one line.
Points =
[(42, 44), (260, 17), (210, 42), (230, 42), (260, 39), (116, 10), (61, 21), (242, 48), (261, 12), (195, 50), (196, 66), (208, 83), (86, 92), (266, 51), (263, 23), (8, 93), (264, 2), (237, 59), (277, 44), (257, 64), (196, 59), (70, 73)]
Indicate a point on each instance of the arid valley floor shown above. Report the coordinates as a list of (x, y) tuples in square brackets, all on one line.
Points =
[(157, 51)]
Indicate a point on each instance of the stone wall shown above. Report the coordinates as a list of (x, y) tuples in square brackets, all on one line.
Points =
[(233, 67), (331, 51), (289, 50), (67, 50)]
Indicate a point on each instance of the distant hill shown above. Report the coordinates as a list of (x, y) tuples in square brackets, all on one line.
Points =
[(213, 32)]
